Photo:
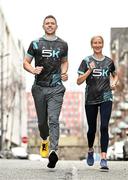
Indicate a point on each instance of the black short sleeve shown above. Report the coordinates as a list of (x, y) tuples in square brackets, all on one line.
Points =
[(83, 67), (65, 54), (31, 50), (112, 67)]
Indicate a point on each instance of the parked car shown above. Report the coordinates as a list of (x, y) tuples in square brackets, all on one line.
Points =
[(125, 150), (118, 150), (19, 153), (110, 153)]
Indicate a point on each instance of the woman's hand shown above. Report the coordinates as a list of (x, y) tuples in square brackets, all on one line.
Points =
[(113, 85), (92, 65)]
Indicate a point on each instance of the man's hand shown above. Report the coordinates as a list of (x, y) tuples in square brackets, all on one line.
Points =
[(38, 70), (64, 77)]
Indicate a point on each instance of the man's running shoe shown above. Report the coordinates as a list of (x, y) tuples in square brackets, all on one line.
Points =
[(44, 150), (90, 158), (53, 158), (103, 164)]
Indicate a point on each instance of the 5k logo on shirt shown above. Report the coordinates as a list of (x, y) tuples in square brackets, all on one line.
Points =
[(50, 53), (100, 72)]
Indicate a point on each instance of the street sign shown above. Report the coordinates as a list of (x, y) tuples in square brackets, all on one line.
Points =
[(25, 139)]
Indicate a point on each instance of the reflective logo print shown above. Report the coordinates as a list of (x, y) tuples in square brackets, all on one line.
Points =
[(100, 72), (50, 53)]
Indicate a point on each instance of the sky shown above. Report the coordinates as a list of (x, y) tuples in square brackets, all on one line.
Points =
[(78, 21)]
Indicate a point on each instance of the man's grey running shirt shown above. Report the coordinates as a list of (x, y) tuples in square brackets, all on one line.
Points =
[(98, 82)]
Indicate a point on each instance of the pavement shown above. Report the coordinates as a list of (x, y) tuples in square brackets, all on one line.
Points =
[(11, 169)]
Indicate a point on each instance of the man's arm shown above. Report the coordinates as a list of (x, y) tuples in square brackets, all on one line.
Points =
[(28, 67), (64, 69)]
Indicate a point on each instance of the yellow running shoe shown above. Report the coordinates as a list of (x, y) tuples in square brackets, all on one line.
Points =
[(44, 149)]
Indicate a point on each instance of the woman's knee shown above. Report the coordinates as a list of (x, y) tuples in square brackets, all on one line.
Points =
[(104, 129)]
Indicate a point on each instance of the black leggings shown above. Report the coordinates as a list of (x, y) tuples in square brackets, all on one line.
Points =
[(105, 113)]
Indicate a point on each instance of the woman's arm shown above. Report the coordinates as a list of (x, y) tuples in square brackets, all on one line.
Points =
[(83, 77), (114, 80)]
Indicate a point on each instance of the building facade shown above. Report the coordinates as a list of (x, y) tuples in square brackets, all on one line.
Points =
[(72, 115), (13, 117), (119, 53)]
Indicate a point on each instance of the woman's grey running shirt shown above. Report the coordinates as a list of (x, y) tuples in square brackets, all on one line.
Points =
[(49, 54), (98, 82)]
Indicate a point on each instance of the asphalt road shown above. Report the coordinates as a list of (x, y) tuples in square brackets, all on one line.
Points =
[(65, 170)]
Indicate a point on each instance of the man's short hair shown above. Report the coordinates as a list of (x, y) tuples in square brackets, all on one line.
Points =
[(50, 16)]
